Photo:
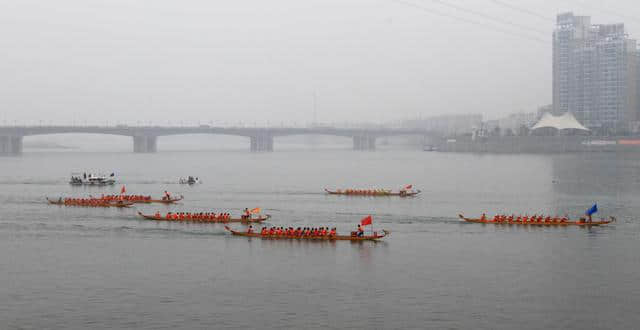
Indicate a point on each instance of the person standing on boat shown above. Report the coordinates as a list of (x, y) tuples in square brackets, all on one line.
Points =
[(591, 211), (360, 231), (247, 214)]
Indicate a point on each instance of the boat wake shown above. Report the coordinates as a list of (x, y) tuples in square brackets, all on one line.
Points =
[(100, 231), (33, 182)]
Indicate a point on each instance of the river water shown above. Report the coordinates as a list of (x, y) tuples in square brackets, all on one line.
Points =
[(107, 268)]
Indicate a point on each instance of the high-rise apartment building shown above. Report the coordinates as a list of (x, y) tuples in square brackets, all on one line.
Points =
[(595, 73)]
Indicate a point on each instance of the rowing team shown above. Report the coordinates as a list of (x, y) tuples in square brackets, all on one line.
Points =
[(297, 232), (129, 198), (86, 201), (202, 216), (364, 192), (531, 219)]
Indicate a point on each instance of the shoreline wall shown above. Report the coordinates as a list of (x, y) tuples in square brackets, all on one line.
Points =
[(540, 144)]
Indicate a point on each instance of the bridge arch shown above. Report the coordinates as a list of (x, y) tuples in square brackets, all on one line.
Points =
[(80, 139), (221, 141), (313, 139)]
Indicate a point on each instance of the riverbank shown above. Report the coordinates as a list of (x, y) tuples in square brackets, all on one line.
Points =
[(539, 144)]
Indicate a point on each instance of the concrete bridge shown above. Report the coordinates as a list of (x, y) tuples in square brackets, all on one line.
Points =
[(145, 138)]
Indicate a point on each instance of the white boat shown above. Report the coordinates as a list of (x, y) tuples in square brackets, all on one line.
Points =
[(189, 180), (90, 179)]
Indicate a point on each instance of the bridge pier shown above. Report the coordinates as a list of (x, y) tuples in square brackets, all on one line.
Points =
[(262, 142), (10, 145), (145, 144), (364, 142)]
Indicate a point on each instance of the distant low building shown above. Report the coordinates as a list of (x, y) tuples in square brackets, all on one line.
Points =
[(513, 123), (448, 125), (544, 109)]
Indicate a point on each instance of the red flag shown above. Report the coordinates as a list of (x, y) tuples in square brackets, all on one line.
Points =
[(408, 187), (123, 190), (366, 221)]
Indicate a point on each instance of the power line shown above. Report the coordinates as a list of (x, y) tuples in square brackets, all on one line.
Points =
[(523, 10), (489, 17), (457, 18)]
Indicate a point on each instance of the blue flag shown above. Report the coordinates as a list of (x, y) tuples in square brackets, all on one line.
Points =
[(592, 210)]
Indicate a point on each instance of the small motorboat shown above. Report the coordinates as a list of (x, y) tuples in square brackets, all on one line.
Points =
[(189, 180), (90, 179)]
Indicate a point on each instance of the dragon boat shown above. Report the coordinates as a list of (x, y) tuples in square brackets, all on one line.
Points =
[(373, 193), (96, 203), (585, 223), (229, 220), (351, 237), (159, 201)]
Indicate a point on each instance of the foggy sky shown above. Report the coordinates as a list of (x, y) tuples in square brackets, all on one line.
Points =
[(263, 61)]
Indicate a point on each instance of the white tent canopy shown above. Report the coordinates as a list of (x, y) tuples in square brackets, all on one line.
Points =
[(564, 121)]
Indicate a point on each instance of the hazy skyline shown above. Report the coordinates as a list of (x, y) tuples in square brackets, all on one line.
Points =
[(252, 61)]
